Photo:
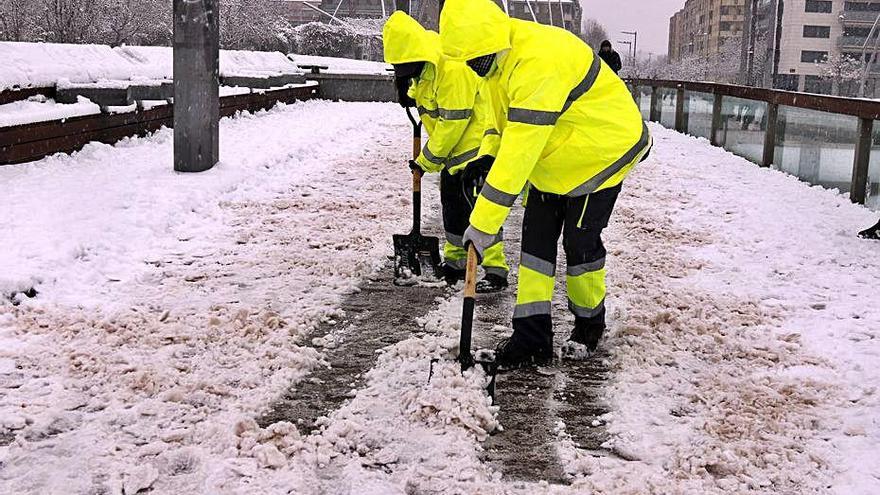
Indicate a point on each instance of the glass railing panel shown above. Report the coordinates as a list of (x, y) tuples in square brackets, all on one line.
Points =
[(817, 147), (743, 126), (698, 113), (873, 198), (667, 98), (645, 101)]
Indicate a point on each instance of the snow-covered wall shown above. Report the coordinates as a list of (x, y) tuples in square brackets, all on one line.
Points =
[(48, 64), (44, 64)]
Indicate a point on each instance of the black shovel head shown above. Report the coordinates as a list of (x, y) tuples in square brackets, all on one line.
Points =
[(416, 255)]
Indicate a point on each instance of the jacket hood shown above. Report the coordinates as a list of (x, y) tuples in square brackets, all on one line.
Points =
[(405, 40), (473, 28)]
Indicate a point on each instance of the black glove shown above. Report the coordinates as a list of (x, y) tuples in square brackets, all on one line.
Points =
[(476, 171), (403, 76), (415, 167)]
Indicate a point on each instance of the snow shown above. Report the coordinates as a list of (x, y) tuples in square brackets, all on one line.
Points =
[(232, 62), (41, 109), (44, 64), (337, 65), (48, 64), (172, 308)]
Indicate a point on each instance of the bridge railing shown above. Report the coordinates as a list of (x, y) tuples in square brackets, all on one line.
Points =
[(823, 140)]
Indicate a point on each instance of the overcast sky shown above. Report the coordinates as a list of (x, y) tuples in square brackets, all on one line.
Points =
[(649, 17)]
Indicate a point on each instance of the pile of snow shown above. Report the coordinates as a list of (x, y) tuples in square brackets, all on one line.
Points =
[(337, 65), (42, 109)]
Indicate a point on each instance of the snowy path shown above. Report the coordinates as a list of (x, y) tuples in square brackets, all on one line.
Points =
[(744, 347)]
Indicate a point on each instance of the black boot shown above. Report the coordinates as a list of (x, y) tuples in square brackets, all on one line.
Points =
[(525, 349), (872, 233), (584, 338), (451, 274), (492, 283)]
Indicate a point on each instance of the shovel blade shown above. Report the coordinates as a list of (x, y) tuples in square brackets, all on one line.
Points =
[(416, 255)]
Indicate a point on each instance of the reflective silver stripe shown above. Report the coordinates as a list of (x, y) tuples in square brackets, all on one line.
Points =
[(455, 240), (462, 158), (585, 85), (581, 312), (495, 270), (578, 270), (492, 132), (454, 114), (498, 197), (534, 263), (590, 186), (532, 309), (534, 117), (436, 160), (540, 117), (429, 113)]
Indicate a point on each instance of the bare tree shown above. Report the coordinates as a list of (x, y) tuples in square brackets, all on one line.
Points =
[(593, 32), (67, 21), (844, 72), (248, 24), (133, 21), (16, 20)]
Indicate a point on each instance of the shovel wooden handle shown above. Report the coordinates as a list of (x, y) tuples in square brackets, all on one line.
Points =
[(470, 277), (416, 151), (465, 357)]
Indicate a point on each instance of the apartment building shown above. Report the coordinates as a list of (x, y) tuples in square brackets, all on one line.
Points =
[(797, 45), (702, 28)]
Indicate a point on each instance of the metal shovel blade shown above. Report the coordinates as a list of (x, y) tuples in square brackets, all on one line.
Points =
[(416, 255)]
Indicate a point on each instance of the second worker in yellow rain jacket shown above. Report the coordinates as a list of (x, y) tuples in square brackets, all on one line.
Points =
[(456, 117), (570, 128)]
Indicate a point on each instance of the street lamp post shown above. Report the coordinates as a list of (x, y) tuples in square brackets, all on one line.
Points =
[(628, 48), (635, 42)]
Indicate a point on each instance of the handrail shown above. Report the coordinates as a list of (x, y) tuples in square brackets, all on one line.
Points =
[(867, 111), (858, 107)]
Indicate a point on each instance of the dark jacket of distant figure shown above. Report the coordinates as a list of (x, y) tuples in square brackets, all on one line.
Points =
[(612, 58)]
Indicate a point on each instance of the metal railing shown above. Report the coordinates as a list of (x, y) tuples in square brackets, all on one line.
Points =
[(823, 140)]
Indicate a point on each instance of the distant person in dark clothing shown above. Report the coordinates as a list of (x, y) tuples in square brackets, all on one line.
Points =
[(610, 57), (872, 233)]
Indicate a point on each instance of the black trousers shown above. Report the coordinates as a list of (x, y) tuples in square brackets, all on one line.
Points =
[(458, 195), (580, 221)]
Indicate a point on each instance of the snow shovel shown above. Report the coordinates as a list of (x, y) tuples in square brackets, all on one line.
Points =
[(416, 255), (465, 355)]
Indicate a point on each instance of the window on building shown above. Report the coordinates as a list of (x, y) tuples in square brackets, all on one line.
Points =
[(818, 6), (817, 31), (813, 56)]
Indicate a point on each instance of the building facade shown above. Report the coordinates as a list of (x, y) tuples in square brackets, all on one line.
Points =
[(809, 45), (566, 14), (702, 28)]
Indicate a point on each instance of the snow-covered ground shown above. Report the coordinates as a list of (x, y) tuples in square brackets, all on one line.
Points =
[(172, 309)]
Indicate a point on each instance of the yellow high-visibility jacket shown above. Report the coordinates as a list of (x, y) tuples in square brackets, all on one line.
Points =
[(568, 124), (453, 112)]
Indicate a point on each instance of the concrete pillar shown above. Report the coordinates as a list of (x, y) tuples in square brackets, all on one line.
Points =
[(196, 85)]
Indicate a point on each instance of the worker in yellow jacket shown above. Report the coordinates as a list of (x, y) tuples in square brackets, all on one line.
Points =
[(569, 128), (456, 117)]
